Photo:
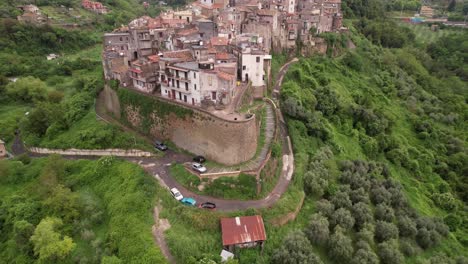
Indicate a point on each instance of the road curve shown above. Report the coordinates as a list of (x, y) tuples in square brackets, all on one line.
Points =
[(159, 167)]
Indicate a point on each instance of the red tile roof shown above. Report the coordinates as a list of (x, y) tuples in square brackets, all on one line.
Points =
[(153, 58), (243, 229), (222, 56), (227, 77), (219, 41), (179, 54)]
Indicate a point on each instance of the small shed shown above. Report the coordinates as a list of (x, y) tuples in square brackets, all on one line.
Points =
[(243, 232), (226, 255), (3, 152)]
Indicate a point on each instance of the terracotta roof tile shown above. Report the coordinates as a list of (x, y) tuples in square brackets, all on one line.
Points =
[(219, 41), (222, 56)]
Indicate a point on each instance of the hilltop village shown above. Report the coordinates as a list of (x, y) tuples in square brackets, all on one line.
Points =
[(198, 56)]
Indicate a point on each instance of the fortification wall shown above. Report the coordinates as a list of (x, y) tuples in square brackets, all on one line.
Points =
[(195, 130)]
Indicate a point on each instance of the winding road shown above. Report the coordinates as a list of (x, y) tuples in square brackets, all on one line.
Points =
[(159, 167)]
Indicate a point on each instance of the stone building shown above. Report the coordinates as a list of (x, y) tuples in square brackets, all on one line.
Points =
[(95, 7)]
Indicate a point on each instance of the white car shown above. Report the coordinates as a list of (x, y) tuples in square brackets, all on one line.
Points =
[(176, 194), (198, 167)]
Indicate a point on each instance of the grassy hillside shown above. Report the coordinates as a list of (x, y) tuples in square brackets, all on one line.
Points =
[(374, 123), (103, 208)]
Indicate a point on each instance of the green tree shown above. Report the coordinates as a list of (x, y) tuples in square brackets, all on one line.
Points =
[(340, 246), (389, 253), (49, 244), (296, 248), (318, 232), (23, 230), (63, 203), (28, 89), (385, 231)]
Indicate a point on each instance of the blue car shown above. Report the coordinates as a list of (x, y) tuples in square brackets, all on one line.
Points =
[(189, 201)]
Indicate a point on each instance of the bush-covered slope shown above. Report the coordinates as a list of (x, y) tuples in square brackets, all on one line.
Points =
[(59, 211), (394, 121)]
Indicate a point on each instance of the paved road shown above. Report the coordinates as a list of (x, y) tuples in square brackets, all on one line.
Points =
[(159, 167)]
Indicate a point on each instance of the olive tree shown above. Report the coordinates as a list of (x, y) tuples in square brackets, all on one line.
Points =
[(385, 231), (389, 253), (340, 246), (343, 218), (296, 248), (407, 227), (317, 231), (384, 212), (362, 214)]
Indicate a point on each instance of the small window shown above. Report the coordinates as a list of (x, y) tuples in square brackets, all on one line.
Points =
[(121, 38), (244, 67), (194, 75), (258, 59), (186, 86), (194, 86)]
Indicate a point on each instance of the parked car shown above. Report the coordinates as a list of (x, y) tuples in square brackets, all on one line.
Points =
[(199, 159), (198, 167), (189, 201), (159, 145), (177, 195), (208, 205)]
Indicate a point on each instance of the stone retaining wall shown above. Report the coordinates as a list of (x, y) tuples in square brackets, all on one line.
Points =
[(93, 152), (226, 141)]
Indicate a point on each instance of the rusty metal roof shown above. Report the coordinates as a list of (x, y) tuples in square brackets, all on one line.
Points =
[(242, 229)]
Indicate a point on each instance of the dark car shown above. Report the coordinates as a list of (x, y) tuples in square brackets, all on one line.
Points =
[(159, 145), (208, 205), (199, 159)]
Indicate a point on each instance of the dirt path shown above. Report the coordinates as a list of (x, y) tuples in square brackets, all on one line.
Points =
[(159, 227)]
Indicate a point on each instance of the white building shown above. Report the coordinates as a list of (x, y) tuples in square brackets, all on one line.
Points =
[(199, 83), (255, 66)]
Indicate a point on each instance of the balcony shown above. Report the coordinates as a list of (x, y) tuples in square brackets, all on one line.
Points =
[(181, 78)]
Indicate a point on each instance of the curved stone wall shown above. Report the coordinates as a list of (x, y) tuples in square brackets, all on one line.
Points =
[(197, 131)]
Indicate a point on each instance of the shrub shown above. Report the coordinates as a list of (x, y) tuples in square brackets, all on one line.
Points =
[(453, 221), (408, 248)]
